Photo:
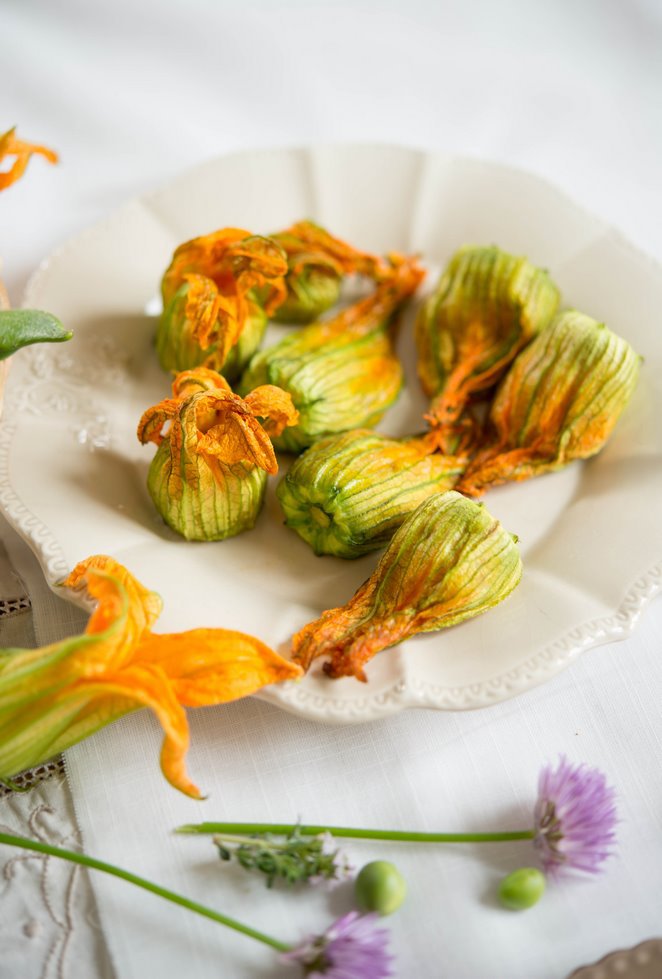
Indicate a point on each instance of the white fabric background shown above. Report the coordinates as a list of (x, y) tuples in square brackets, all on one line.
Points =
[(131, 94)]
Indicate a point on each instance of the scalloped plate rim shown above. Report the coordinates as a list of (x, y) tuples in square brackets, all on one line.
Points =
[(622, 957)]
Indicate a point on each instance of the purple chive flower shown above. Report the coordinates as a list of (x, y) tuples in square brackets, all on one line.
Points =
[(351, 948), (575, 817)]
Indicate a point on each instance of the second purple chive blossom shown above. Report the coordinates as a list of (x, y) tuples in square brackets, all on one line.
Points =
[(352, 948)]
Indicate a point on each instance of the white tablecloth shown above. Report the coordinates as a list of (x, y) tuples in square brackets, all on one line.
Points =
[(132, 93)]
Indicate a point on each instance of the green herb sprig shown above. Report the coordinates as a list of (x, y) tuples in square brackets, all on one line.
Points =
[(294, 860)]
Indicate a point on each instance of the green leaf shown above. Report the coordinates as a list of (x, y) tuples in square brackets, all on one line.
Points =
[(20, 327)]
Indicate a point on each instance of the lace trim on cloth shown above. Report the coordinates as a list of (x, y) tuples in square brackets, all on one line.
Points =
[(12, 606), (26, 780), (49, 927), (48, 918)]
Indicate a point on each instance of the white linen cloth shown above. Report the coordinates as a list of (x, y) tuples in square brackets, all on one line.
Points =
[(130, 94)]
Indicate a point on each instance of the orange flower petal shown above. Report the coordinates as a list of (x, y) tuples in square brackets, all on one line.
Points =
[(204, 255), (256, 260), (236, 435), (401, 282), (274, 405), (149, 686), (203, 309), (198, 379), (153, 419), (11, 146), (214, 317), (118, 594), (53, 697), (213, 666), (347, 259)]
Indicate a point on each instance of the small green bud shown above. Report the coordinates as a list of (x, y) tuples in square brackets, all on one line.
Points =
[(380, 887), (522, 889)]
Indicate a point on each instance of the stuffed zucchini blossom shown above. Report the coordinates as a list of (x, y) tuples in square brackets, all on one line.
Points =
[(559, 401), (53, 697), (449, 561), (347, 494), (208, 476), (486, 306), (212, 315), (342, 373)]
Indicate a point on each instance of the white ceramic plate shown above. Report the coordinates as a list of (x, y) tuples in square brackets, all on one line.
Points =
[(72, 474)]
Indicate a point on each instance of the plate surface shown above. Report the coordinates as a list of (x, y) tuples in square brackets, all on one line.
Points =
[(73, 475)]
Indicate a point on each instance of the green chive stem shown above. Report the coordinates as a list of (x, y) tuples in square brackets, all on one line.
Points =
[(398, 836), (108, 868)]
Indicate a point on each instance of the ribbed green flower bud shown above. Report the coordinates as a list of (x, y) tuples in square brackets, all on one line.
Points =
[(348, 494), (335, 385), (560, 401), (449, 561), (342, 373), (486, 307), (209, 506), (209, 474), (178, 346)]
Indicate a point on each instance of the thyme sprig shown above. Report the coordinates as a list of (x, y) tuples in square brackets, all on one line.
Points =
[(295, 860)]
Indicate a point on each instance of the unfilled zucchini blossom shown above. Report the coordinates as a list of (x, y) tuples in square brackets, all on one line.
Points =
[(348, 494), (341, 373), (317, 263), (211, 313), (53, 697), (208, 476), (559, 402), (449, 561), (10, 145), (486, 307)]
